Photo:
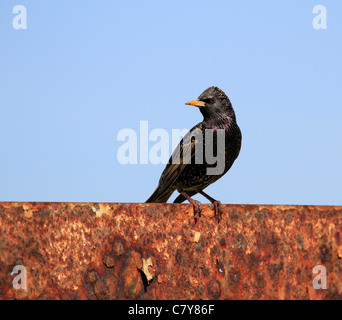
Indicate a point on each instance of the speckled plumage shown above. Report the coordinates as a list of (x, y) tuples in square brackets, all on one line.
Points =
[(192, 178)]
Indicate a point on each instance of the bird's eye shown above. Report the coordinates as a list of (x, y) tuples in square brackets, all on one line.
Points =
[(208, 100)]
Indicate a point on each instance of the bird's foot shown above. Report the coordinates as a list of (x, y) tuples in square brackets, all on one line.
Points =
[(195, 203), (216, 203), (218, 210), (197, 209)]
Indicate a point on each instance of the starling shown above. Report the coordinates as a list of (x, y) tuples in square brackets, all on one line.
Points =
[(191, 176)]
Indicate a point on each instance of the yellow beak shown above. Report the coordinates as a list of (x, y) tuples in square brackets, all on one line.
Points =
[(196, 103)]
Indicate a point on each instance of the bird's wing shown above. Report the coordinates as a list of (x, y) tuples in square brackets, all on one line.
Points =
[(183, 155)]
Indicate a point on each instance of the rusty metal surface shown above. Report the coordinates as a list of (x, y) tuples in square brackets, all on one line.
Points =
[(155, 251)]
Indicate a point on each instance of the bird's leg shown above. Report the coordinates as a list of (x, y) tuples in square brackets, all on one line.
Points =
[(217, 205), (196, 204)]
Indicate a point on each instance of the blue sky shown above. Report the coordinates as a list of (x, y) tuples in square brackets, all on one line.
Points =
[(84, 70)]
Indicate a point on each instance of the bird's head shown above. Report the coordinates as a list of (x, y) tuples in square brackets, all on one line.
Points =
[(213, 102)]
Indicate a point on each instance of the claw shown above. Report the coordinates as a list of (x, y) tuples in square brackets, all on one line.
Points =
[(197, 209), (196, 204), (216, 203), (218, 210)]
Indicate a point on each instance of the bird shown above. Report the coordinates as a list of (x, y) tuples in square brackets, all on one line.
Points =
[(185, 172)]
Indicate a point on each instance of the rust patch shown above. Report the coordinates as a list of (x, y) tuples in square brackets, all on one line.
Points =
[(154, 251)]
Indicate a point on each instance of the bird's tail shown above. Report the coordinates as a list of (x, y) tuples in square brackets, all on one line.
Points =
[(160, 196)]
